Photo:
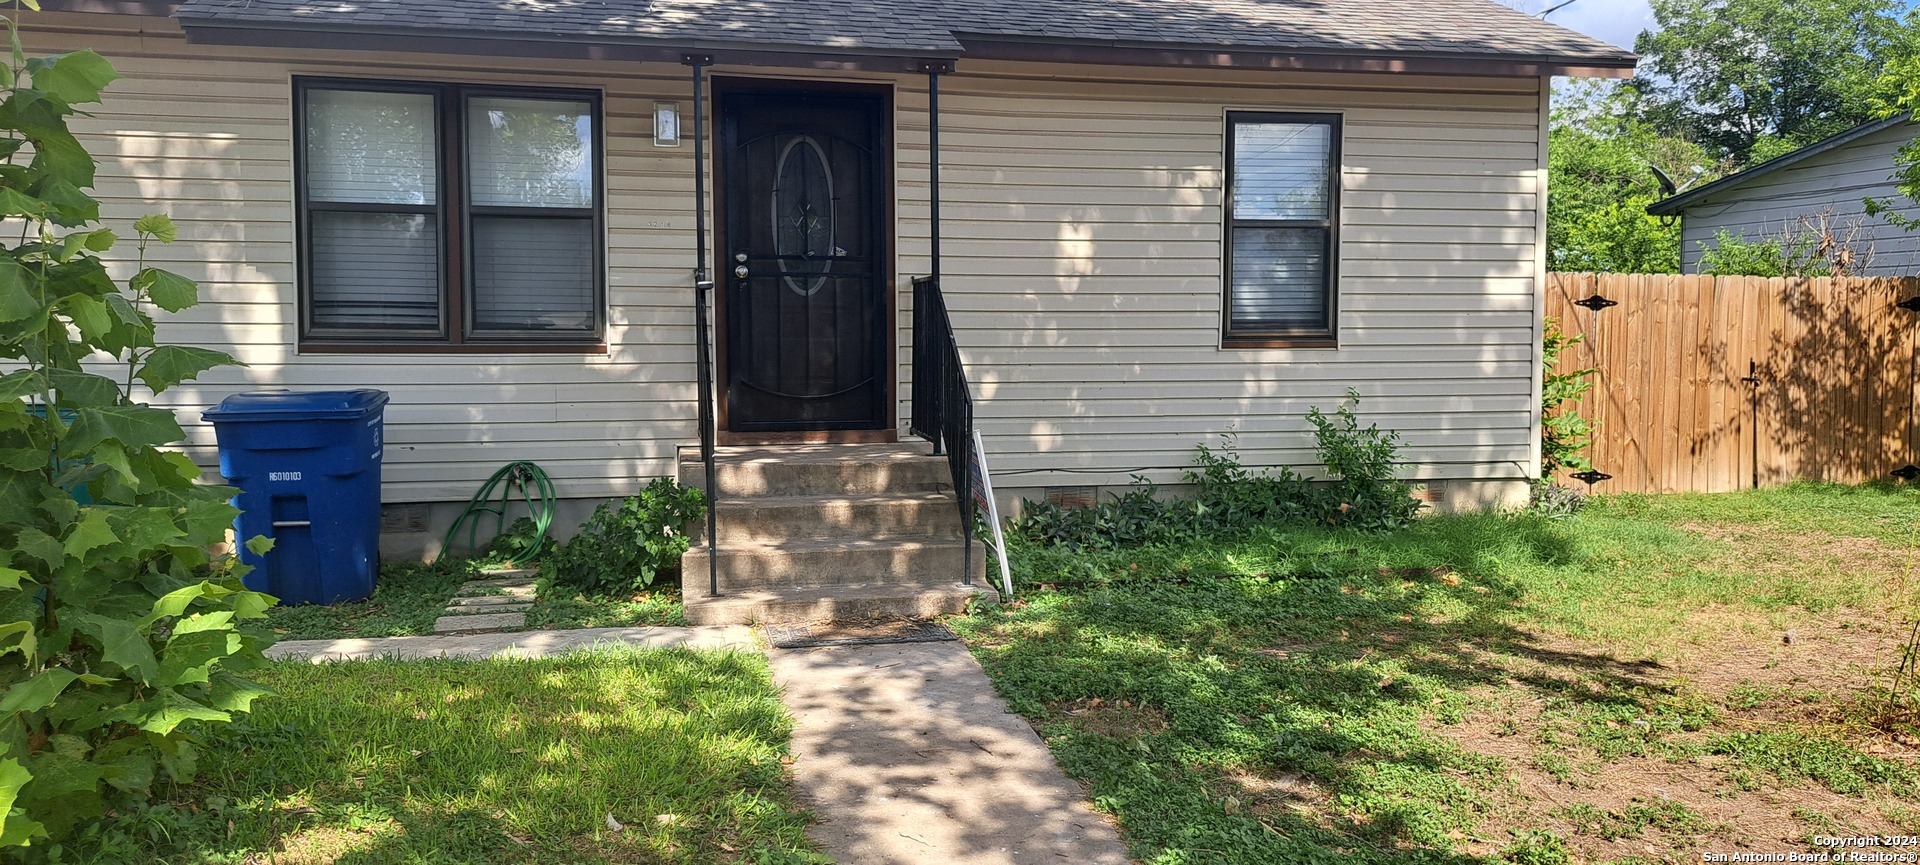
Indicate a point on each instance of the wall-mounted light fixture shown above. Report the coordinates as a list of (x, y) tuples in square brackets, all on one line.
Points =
[(666, 124)]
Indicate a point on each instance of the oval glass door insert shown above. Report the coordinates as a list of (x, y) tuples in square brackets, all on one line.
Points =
[(803, 215)]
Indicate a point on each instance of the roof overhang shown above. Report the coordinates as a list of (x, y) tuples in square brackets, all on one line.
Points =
[(1673, 206), (993, 47), (551, 47), (209, 31)]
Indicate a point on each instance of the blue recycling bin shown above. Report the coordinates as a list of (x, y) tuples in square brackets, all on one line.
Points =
[(308, 469)]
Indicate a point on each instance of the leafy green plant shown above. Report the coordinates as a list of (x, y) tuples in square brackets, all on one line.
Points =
[(1363, 461), (1228, 497), (521, 543), (625, 546), (1564, 434), (1556, 501), (1787, 255), (1537, 847), (121, 632), (1231, 496)]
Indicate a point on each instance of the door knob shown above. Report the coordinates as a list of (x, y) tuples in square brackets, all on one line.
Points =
[(740, 271)]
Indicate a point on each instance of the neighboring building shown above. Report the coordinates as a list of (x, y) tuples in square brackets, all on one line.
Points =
[(465, 203), (1827, 183)]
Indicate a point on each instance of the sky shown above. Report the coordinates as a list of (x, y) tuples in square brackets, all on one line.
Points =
[(1616, 21)]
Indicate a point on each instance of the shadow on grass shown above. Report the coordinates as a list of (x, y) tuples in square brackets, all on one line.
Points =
[(1326, 663), (500, 761)]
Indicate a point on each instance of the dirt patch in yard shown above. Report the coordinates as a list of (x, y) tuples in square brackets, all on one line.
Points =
[(1268, 795), (1822, 557), (1651, 807), (1674, 807), (1121, 719), (1839, 652)]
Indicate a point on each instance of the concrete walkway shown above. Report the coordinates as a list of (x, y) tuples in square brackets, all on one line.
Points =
[(908, 755), (905, 752), (523, 644)]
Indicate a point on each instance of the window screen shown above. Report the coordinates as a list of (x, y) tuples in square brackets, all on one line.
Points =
[(443, 213), (1283, 197)]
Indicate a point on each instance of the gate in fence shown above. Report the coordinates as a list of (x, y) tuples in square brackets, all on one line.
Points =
[(1712, 384)]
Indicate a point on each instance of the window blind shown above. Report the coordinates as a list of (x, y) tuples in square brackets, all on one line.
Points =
[(371, 148), (372, 188), (1280, 278), (1281, 225), (532, 273), (510, 250), (529, 152), (375, 270)]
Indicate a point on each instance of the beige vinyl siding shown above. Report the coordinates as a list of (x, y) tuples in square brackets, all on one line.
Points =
[(1082, 242), (1082, 245), (1836, 183), (205, 134)]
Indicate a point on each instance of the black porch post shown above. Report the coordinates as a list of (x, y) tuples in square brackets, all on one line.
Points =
[(934, 69), (702, 295)]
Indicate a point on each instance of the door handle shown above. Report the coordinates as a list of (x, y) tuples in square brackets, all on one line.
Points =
[(740, 270)]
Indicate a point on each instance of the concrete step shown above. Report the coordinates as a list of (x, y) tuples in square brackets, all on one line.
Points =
[(819, 470), (469, 610), (482, 603), (899, 516), (838, 602), (480, 624), (485, 589), (834, 562)]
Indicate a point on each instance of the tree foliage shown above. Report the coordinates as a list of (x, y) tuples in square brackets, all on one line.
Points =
[(120, 632), (1787, 254), (1736, 75), (1601, 162), (1899, 96)]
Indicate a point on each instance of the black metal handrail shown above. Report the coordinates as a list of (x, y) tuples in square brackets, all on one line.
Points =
[(942, 404), (702, 302)]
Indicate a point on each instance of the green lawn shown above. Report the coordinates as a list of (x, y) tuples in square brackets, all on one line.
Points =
[(503, 761), (407, 598), (1657, 677), (557, 607)]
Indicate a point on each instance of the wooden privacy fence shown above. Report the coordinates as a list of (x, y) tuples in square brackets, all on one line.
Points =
[(1711, 384)]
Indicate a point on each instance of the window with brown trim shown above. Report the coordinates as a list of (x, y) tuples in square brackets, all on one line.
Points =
[(1282, 232), (442, 214)]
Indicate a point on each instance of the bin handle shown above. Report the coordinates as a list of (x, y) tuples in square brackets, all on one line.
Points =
[(292, 524)]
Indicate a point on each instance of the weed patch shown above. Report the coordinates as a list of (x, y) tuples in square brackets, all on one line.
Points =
[(406, 598), (1635, 683)]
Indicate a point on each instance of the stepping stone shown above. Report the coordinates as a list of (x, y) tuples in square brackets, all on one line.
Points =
[(509, 573), (479, 624), (488, 610), (481, 590), (486, 601), (515, 583)]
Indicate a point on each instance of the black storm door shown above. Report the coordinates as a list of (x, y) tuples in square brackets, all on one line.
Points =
[(803, 259)]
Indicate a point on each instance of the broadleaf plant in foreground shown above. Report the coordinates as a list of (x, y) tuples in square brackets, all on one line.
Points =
[(122, 632)]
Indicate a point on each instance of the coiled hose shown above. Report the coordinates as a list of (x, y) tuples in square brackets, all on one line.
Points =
[(536, 493)]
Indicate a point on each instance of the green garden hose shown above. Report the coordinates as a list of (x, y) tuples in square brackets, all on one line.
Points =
[(536, 493)]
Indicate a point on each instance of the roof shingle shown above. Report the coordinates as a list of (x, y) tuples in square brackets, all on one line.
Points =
[(1458, 28)]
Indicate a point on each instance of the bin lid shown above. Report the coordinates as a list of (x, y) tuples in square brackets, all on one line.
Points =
[(286, 405)]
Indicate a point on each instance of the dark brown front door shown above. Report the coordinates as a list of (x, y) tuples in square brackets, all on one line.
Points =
[(804, 260)]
